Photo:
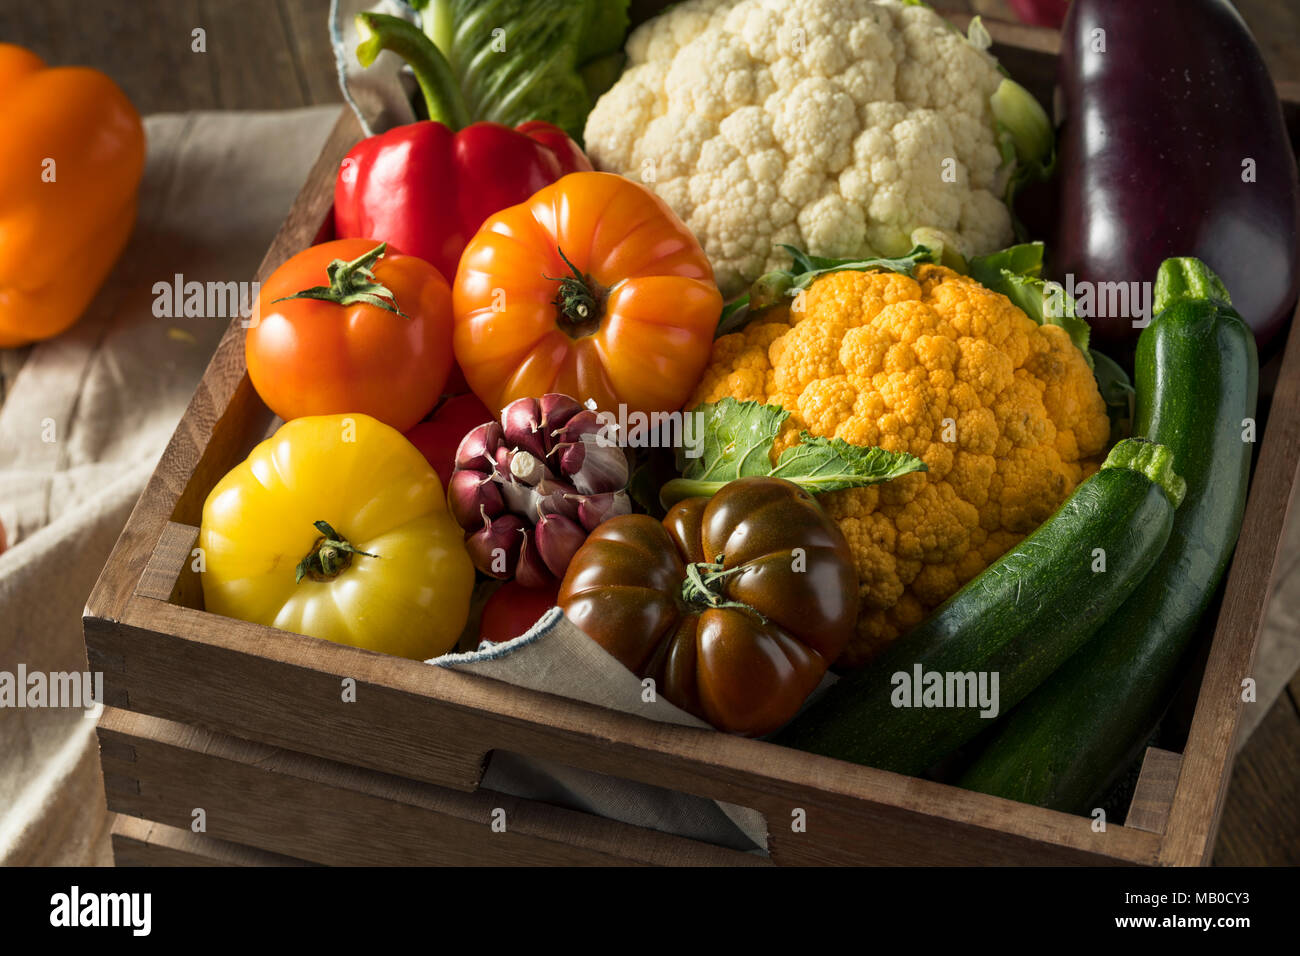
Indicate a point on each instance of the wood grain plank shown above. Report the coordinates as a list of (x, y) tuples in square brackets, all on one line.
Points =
[(171, 555), (1275, 26), (139, 842), (331, 813), (250, 55), (260, 54), (991, 9), (1149, 809), (307, 23), (144, 45)]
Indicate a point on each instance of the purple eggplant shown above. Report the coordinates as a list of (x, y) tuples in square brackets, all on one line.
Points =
[(1173, 144)]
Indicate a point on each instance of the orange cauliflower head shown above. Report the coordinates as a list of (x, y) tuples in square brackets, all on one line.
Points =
[(1004, 412)]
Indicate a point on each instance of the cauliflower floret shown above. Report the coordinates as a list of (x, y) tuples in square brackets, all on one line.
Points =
[(1004, 412), (837, 126)]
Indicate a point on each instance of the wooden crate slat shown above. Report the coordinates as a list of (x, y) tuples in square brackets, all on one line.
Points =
[(139, 842), (1154, 794), (225, 416), (162, 574), (325, 812)]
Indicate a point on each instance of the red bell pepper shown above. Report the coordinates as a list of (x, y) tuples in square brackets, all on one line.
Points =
[(426, 187)]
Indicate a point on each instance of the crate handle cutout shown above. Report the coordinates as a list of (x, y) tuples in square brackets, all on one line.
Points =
[(320, 811), (646, 806)]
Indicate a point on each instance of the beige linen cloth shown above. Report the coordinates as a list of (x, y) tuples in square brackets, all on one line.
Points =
[(216, 188), (112, 389)]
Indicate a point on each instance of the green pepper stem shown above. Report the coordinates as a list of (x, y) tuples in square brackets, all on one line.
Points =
[(352, 282), (330, 555), (442, 96)]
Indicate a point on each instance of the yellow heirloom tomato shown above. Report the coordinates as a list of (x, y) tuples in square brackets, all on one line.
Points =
[(337, 527)]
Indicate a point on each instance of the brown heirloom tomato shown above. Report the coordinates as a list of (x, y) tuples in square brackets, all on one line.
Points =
[(735, 604)]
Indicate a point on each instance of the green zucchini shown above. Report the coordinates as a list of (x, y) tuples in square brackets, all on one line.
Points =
[(1196, 378), (1015, 623)]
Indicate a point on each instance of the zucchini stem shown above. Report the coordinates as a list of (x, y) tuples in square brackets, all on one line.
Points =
[(1186, 278), (679, 489), (1152, 460)]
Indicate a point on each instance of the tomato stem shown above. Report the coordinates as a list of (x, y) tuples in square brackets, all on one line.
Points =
[(703, 587), (580, 301), (352, 282), (329, 556)]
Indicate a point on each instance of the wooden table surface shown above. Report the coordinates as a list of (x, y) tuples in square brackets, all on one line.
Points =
[(275, 54)]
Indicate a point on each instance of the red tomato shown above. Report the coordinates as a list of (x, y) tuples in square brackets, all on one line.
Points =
[(439, 437), (349, 326), (513, 609)]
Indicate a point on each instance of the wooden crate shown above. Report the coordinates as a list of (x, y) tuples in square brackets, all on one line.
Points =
[(247, 721), (138, 842)]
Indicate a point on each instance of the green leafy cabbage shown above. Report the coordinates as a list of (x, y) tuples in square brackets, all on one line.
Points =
[(520, 60)]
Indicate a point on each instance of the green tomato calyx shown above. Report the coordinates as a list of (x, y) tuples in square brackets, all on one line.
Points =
[(330, 555), (704, 587)]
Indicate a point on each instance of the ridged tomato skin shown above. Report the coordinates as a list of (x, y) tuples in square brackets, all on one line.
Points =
[(408, 595), (647, 330)]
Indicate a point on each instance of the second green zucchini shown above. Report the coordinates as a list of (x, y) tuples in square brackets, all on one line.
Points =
[(1015, 623), (1196, 378)]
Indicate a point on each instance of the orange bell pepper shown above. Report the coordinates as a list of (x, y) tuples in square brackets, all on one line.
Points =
[(70, 165)]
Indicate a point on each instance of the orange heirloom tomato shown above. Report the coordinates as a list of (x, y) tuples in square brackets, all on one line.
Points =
[(71, 159), (375, 339), (593, 288)]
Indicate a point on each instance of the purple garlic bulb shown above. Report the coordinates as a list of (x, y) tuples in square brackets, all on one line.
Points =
[(530, 488)]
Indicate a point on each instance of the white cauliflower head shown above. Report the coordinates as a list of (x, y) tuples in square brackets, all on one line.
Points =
[(837, 126)]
